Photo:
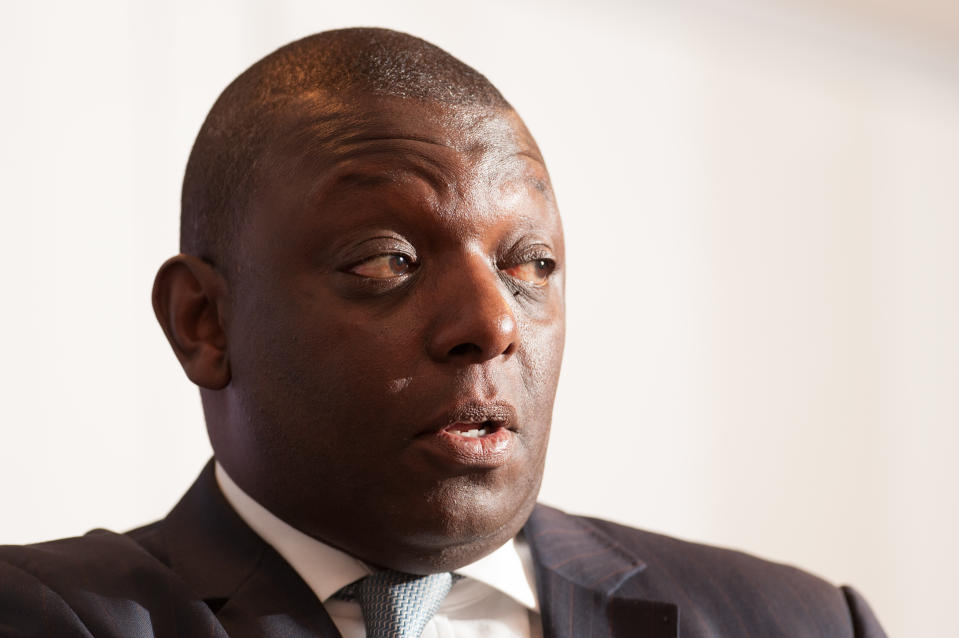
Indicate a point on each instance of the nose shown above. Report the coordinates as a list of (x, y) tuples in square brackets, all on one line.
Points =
[(475, 321)]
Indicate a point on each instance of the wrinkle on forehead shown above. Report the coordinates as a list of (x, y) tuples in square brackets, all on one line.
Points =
[(344, 140), (317, 122)]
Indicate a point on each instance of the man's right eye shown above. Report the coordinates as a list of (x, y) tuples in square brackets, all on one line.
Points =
[(385, 266)]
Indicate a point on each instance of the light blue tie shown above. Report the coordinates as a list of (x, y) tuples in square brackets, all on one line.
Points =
[(398, 605)]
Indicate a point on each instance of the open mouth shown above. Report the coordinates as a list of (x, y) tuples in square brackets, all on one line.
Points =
[(475, 437), (474, 430)]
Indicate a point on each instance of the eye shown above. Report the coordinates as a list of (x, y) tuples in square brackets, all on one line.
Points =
[(385, 266), (535, 271)]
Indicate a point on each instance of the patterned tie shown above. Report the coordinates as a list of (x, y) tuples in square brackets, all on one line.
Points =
[(398, 605)]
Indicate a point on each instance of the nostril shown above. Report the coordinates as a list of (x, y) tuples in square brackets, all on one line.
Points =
[(464, 349), (473, 334), (470, 349)]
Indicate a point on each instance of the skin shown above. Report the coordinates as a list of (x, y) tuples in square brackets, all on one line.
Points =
[(403, 258)]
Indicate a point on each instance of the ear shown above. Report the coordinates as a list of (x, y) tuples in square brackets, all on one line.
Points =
[(190, 302)]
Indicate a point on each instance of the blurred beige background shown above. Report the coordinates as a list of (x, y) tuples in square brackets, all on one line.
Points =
[(762, 208)]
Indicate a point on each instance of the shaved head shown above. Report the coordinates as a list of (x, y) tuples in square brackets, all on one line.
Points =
[(315, 75)]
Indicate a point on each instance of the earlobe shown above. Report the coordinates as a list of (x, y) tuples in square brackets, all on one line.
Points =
[(189, 299)]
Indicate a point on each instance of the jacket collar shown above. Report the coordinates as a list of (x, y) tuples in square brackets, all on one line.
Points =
[(580, 572), (249, 587)]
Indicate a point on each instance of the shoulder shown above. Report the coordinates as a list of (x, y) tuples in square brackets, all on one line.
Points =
[(99, 584), (100, 556), (733, 592), (667, 555)]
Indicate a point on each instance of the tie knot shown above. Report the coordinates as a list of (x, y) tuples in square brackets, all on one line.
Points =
[(398, 605)]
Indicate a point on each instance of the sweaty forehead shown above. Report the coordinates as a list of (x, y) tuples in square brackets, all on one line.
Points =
[(316, 132), (335, 164), (337, 167)]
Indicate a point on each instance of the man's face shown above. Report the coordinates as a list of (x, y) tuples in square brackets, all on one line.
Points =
[(398, 282)]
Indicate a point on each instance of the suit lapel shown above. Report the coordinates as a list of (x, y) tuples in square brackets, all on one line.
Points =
[(249, 587), (579, 570), (254, 592), (272, 603)]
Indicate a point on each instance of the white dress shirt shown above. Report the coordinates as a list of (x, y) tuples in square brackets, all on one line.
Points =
[(496, 599)]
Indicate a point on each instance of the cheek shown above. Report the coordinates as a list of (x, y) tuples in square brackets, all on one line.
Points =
[(379, 349), (542, 358), (322, 405), (308, 364), (540, 361), (373, 363), (353, 366)]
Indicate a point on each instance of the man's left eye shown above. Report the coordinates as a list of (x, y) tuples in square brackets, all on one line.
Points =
[(384, 266), (535, 271)]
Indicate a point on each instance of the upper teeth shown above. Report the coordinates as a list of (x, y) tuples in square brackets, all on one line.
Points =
[(473, 433)]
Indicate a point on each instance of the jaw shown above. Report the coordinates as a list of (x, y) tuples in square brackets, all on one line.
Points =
[(463, 525), (462, 518)]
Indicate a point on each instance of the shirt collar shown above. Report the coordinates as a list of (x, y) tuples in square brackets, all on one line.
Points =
[(326, 570)]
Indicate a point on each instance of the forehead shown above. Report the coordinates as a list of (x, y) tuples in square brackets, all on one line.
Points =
[(317, 122), (453, 156)]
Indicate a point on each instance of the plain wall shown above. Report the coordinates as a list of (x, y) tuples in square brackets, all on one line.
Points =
[(761, 203)]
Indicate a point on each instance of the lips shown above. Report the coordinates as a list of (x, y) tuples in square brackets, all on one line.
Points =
[(471, 436)]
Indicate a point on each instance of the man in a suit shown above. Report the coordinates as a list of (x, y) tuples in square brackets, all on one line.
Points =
[(370, 298)]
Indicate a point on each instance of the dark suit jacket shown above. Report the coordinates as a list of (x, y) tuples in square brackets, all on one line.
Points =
[(202, 572)]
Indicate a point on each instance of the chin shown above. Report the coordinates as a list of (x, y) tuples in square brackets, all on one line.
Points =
[(458, 525)]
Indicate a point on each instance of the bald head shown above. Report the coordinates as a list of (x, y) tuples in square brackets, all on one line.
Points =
[(315, 75)]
